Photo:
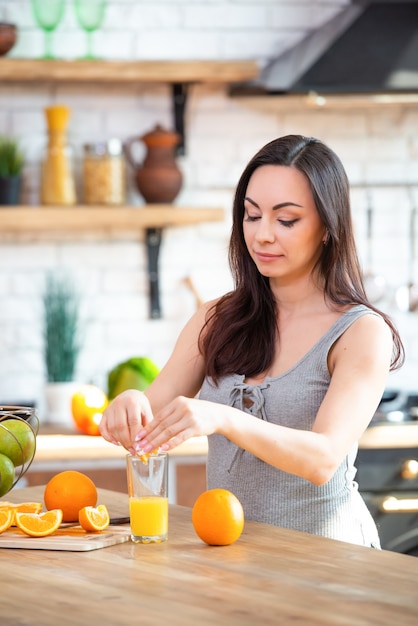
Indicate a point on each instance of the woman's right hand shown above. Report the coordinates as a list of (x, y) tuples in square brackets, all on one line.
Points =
[(182, 375), (124, 418)]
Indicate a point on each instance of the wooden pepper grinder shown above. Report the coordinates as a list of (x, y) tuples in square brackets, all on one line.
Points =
[(57, 184)]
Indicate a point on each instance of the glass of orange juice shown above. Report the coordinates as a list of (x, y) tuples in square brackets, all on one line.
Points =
[(148, 497)]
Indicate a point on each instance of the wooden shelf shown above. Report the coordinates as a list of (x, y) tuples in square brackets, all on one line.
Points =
[(34, 70), (325, 102), (152, 219), (178, 74), (30, 219)]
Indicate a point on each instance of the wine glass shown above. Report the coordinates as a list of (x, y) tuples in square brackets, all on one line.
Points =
[(48, 14), (90, 15)]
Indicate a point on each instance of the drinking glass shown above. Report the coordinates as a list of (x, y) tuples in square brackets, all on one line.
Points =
[(90, 15), (148, 497), (48, 14)]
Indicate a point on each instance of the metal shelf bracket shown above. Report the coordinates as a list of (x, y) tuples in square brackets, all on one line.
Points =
[(179, 95), (153, 238)]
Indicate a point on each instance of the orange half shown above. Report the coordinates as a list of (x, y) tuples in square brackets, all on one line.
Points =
[(39, 524), (7, 517), (94, 518)]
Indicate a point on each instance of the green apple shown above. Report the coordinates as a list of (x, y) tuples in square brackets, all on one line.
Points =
[(17, 441), (7, 474)]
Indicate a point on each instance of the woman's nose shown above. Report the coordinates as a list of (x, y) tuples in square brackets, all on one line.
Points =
[(265, 231)]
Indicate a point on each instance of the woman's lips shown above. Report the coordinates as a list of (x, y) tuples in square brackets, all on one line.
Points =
[(266, 258)]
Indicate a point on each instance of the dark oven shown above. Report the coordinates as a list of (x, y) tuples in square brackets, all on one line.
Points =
[(388, 477)]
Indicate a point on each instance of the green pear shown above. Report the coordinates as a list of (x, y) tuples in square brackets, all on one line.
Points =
[(7, 474), (17, 441)]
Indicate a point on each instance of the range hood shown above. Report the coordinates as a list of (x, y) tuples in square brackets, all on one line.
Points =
[(368, 48)]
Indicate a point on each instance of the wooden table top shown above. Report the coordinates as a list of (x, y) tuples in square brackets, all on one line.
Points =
[(269, 576)]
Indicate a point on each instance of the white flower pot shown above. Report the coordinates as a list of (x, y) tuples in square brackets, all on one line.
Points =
[(58, 403)]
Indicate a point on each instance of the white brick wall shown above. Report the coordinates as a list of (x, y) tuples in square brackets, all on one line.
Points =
[(377, 146)]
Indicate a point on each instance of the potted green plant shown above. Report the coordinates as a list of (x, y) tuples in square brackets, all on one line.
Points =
[(11, 166), (62, 343)]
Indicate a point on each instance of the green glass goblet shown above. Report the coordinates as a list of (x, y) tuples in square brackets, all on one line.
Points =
[(48, 14), (90, 15)]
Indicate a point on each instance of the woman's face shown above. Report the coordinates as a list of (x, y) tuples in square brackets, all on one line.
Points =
[(282, 229)]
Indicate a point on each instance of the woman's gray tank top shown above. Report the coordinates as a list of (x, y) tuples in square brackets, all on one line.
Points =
[(269, 495)]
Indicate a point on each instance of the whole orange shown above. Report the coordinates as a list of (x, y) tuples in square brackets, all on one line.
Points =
[(87, 406), (218, 517), (70, 491)]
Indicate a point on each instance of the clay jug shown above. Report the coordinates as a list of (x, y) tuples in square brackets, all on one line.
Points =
[(158, 178)]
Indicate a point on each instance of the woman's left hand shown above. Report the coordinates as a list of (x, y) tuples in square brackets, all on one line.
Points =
[(178, 421)]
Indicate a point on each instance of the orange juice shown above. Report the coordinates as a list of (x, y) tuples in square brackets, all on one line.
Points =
[(149, 517)]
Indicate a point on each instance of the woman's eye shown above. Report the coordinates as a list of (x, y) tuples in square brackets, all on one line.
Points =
[(288, 223), (285, 223), (252, 218)]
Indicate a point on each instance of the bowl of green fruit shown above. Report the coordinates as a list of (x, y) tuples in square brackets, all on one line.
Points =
[(19, 427)]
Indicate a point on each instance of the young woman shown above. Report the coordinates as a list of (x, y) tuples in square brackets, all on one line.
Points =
[(290, 366)]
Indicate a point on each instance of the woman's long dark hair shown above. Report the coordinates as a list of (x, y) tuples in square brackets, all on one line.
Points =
[(241, 329)]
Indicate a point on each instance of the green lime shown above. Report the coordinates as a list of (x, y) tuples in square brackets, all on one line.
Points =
[(7, 474), (17, 441)]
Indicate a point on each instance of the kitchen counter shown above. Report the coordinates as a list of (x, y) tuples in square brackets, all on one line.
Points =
[(105, 462), (390, 435), (53, 445), (270, 576)]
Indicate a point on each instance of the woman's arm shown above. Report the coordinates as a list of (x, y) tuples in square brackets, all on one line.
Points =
[(359, 365), (182, 375)]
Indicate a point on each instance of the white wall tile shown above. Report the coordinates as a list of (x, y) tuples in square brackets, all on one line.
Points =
[(378, 146)]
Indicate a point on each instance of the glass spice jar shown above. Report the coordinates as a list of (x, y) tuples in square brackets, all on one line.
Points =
[(104, 173)]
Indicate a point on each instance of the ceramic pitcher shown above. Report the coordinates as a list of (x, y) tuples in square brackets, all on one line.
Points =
[(158, 178)]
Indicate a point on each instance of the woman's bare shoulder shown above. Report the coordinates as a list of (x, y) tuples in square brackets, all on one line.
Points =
[(368, 334), (207, 307), (370, 321), (200, 317)]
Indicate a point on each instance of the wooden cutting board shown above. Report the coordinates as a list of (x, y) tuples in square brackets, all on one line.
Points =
[(73, 539)]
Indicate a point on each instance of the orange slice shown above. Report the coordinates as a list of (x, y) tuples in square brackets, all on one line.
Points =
[(39, 524), (22, 507), (94, 519), (144, 456), (28, 507), (6, 518)]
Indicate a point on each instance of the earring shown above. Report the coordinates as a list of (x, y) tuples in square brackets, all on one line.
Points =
[(326, 239)]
